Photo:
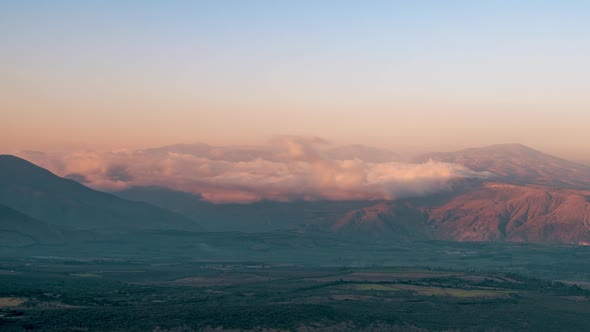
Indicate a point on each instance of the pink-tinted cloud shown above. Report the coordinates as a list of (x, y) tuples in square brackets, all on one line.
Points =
[(291, 168)]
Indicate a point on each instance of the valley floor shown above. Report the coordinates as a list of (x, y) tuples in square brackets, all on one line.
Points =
[(175, 294)]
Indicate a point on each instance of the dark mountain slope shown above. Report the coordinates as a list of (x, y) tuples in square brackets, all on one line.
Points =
[(45, 196), (256, 217), (18, 229)]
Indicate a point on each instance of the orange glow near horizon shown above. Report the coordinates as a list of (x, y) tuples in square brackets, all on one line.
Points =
[(407, 77)]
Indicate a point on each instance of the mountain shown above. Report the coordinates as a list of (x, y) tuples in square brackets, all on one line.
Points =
[(514, 213), (181, 202), (384, 220), (18, 229), (45, 196), (518, 164), (493, 212)]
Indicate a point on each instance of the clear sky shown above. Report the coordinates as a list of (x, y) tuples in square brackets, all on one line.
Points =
[(406, 75)]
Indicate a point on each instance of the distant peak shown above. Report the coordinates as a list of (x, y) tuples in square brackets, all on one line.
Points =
[(505, 148)]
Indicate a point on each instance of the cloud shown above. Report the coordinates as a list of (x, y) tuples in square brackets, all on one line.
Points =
[(291, 168), (118, 173)]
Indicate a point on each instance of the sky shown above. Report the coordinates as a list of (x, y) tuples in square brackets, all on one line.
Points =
[(410, 76)]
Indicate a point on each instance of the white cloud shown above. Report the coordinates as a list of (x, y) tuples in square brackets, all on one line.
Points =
[(289, 169)]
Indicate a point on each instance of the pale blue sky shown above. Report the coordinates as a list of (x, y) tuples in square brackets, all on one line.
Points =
[(408, 75)]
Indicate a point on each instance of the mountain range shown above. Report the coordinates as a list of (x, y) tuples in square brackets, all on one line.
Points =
[(532, 197)]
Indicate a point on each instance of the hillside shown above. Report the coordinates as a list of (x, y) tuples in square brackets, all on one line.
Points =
[(255, 217), (42, 195), (18, 229), (494, 212)]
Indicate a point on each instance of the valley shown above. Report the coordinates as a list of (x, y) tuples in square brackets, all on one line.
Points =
[(172, 294)]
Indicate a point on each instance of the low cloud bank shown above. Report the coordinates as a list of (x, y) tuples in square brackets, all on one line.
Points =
[(292, 168)]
